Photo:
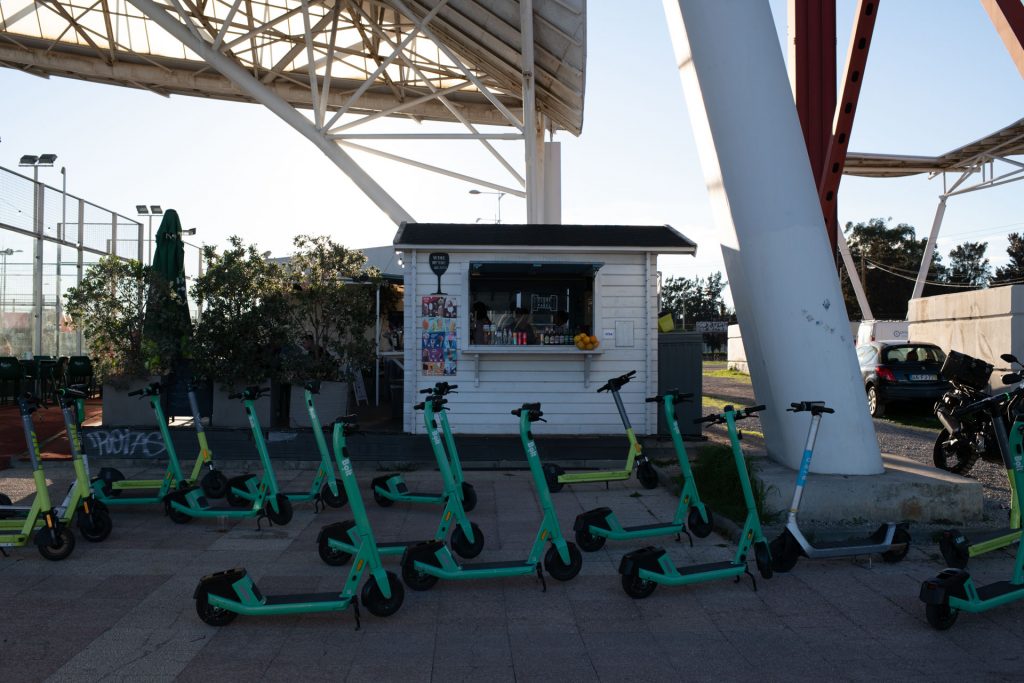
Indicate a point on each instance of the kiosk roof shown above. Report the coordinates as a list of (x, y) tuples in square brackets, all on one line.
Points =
[(662, 239)]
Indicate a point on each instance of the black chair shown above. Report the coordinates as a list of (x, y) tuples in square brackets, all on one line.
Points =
[(12, 374), (79, 371)]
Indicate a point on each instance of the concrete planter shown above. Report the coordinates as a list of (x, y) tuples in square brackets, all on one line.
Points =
[(230, 413), (331, 403), (122, 410)]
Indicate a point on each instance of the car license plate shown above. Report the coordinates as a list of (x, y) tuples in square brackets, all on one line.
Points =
[(924, 378)]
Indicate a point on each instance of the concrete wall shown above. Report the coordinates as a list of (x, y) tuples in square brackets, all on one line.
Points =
[(735, 354), (983, 323)]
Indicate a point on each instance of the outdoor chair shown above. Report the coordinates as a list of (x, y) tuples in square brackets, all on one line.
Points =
[(11, 377), (79, 371)]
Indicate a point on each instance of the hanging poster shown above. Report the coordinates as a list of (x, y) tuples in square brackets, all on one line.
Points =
[(440, 345)]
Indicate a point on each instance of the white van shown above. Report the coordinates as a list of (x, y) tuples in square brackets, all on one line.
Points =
[(882, 330)]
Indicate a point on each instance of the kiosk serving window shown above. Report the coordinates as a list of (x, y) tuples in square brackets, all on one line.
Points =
[(526, 304)]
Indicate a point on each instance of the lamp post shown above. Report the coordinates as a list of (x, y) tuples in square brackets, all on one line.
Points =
[(3, 276), (500, 195), (37, 162), (152, 210)]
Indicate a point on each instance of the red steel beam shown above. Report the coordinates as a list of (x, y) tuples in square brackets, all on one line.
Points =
[(1008, 18), (812, 25), (856, 60)]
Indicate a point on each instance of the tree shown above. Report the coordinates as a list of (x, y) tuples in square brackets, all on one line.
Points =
[(695, 299), (968, 265), (1014, 270), (888, 259)]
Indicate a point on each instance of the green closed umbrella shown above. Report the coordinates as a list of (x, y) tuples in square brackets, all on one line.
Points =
[(169, 263)]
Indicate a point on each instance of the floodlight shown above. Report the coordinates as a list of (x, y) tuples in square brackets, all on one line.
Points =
[(155, 208), (141, 209), (28, 160), (47, 159)]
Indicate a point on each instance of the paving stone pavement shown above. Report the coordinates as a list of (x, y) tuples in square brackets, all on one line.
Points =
[(123, 609)]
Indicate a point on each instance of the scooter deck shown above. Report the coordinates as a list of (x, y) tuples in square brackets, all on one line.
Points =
[(667, 527), (134, 484), (504, 564), (306, 598), (975, 539), (593, 477), (708, 567)]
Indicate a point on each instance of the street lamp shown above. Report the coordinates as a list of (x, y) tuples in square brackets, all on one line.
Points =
[(153, 210), (500, 195), (3, 276), (37, 162)]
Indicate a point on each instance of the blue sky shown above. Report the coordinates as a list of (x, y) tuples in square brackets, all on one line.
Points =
[(938, 77)]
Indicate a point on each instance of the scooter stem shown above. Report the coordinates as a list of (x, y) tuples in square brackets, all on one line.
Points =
[(805, 465)]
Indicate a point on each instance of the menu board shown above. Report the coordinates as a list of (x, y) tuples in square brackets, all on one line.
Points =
[(440, 347)]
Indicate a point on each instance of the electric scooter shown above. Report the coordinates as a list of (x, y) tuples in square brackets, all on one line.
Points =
[(269, 503), (642, 570), (954, 590), (222, 596), (111, 482), (214, 483), (54, 540), (325, 489), (338, 542), (596, 526), (557, 477), (79, 505), (890, 540), (424, 563), (391, 488), (958, 547)]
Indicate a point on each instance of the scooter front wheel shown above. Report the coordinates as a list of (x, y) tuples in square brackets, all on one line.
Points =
[(214, 616), (331, 500), (785, 552), (636, 587), (417, 580), (558, 570), (5, 500), (96, 527), (941, 617), (461, 545), (215, 484), (763, 559), (696, 524), (376, 603), (284, 511), (647, 475), (468, 497), (59, 549)]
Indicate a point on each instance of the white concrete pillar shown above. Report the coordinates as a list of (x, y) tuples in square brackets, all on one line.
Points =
[(784, 283), (553, 183)]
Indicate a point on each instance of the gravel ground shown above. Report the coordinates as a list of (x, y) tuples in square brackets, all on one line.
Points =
[(912, 442)]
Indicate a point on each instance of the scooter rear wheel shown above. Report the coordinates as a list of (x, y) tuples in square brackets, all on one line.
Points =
[(331, 556), (941, 617), (239, 482), (376, 603), (636, 587), (61, 549), (468, 497), (955, 554), (696, 524), (214, 616), (589, 542), (551, 475), (417, 580), (647, 475), (215, 484), (461, 545), (563, 572), (381, 500), (331, 500), (177, 516), (110, 475), (97, 528), (284, 511), (893, 556)]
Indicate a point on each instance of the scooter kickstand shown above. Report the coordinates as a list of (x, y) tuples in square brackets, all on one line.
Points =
[(4, 552), (355, 611), (688, 536), (746, 570), (543, 583), (261, 516)]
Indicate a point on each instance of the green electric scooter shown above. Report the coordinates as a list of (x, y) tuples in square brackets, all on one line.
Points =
[(958, 547), (110, 482), (954, 590), (79, 505), (338, 542), (222, 596), (642, 570), (325, 488), (556, 477), (269, 503), (595, 526), (54, 539), (424, 563), (391, 488)]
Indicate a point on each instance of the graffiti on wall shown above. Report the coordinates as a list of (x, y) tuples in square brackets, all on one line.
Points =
[(124, 443)]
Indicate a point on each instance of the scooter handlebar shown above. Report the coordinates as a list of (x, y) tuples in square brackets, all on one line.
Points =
[(617, 382), (816, 407)]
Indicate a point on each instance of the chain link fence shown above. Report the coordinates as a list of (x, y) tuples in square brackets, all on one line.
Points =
[(48, 239)]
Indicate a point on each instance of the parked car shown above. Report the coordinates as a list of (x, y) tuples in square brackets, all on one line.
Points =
[(900, 371)]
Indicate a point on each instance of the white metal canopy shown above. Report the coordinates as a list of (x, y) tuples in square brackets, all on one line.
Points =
[(327, 66)]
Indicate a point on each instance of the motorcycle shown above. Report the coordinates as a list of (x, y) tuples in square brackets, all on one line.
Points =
[(968, 438)]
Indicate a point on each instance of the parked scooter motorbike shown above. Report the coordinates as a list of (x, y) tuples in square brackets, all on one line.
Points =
[(964, 439)]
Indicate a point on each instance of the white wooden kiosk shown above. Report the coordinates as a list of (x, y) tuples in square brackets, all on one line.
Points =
[(602, 279)]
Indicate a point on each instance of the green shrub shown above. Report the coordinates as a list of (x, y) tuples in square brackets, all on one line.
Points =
[(719, 484)]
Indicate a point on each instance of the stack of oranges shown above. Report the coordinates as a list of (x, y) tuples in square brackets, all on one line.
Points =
[(586, 342)]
